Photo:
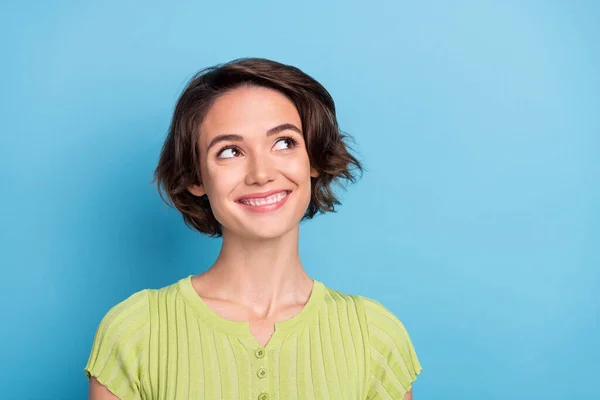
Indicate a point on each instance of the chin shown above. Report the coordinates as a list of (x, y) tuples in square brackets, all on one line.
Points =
[(267, 225), (268, 231), (261, 229)]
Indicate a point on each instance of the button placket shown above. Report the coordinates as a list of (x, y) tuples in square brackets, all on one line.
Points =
[(259, 353), (261, 372)]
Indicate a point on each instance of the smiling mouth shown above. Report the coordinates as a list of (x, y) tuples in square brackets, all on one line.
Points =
[(266, 201)]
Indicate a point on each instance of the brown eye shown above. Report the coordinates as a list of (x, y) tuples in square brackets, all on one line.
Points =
[(234, 151), (291, 142)]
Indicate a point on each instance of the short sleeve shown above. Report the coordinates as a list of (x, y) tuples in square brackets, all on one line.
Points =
[(394, 365), (120, 344)]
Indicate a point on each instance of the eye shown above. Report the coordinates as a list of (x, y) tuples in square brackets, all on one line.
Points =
[(291, 142), (229, 151), (232, 151)]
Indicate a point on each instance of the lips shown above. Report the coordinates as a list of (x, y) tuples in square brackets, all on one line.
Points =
[(263, 195), (272, 201), (266, 200)]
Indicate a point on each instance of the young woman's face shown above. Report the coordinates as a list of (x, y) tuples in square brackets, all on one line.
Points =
[(255, 168)]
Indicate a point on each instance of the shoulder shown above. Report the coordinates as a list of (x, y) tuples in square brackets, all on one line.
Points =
[(392, 361), (377, 322), (336, 297), (133, 309), (339, 304), (371, 313), (388, 337), (381, 318), (126, 317), (394, 365), (121, 339)]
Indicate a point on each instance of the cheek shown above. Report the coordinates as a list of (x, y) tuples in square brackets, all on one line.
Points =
[(219, 184), (299, 168), (299, 172)]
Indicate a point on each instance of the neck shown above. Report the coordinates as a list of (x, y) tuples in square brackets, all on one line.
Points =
[(258, 272)]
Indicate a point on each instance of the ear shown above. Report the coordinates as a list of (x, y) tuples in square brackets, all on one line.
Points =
[(197, 190), (314, 173)]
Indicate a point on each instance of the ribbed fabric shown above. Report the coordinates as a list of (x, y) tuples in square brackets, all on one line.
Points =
[(168, 344)]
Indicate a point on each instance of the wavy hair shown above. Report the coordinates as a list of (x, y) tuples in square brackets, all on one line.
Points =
[(179, 167)]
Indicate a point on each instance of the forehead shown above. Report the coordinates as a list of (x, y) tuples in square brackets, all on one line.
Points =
[(248, 110)]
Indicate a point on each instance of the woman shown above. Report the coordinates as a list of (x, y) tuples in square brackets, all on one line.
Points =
[(253, 149)]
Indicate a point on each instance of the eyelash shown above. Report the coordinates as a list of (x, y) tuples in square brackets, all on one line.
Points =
[(231, 146)]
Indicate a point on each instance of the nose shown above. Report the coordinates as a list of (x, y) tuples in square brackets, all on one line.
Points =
[(260, 170)]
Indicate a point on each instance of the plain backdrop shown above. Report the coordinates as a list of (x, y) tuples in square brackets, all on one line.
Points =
[(477, 221)]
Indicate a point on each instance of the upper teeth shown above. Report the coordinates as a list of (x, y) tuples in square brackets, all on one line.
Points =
[(267, 200)]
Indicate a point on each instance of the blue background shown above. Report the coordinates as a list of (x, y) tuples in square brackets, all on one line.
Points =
[(477, 222)]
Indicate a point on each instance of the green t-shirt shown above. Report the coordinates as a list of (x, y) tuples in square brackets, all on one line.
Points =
[(168, 344)]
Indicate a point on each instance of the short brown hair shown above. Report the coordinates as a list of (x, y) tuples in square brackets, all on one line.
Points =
[(179, 166)]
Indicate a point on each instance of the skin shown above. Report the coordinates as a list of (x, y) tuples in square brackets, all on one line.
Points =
[(258, 276)]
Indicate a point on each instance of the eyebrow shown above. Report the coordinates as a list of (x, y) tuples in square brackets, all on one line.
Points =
[(238, 138)]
